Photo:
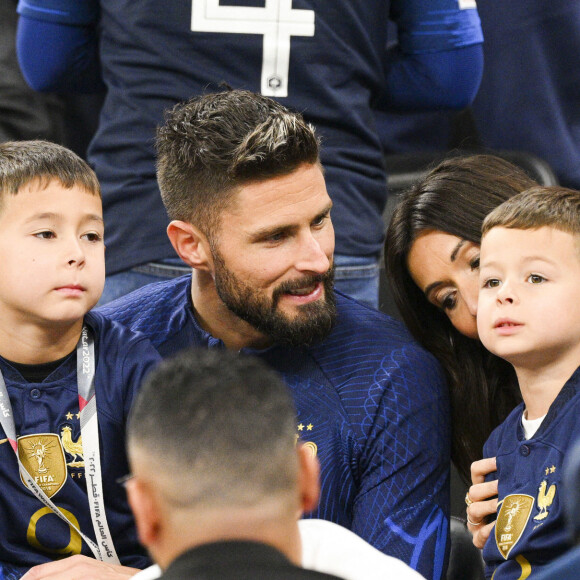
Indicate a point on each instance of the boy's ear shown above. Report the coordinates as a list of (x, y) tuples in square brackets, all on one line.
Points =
[(191, 244)]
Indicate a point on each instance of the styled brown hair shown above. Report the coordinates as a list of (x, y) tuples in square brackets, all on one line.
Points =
[(213, 144)]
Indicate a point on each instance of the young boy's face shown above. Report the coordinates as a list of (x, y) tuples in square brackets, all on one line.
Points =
[(51, 254), (529, 308)]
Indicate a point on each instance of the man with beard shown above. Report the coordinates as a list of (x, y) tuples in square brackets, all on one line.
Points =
[(241, 180)]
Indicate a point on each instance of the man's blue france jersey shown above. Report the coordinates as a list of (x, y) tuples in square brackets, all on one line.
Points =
[(372, 405), (530, 530), (46, 416), (327, 60)]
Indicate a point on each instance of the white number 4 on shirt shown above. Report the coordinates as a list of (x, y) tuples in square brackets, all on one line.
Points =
[(277, 21)]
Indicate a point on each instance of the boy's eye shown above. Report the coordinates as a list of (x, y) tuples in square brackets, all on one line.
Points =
[(93, 237), (46, 235), (491, 283), (536, 279)]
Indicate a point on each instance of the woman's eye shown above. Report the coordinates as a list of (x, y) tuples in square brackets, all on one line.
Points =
[(448, 302), (474, 264)]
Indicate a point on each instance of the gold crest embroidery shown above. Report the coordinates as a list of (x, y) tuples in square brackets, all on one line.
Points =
[(43, 457), (545, 499), (511, 521), (74, 448)]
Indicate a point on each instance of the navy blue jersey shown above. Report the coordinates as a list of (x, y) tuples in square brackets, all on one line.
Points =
[(530, 91), (529, 97), (371, 404), (530, 531), (46, 417), (327, 60)]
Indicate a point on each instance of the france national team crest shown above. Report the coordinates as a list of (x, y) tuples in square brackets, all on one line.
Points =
[(43, 457), (511, 521), (545, 499)]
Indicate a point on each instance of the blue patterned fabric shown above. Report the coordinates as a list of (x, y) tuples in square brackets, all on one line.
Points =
[(30, 533), (530, 529), (371, 403)]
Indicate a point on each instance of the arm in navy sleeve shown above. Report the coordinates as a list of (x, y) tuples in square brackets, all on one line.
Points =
[(431, 81), (57, 45), (438, 59), (402, 507)]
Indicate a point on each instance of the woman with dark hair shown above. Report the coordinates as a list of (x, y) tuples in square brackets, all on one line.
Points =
[(432, 261)]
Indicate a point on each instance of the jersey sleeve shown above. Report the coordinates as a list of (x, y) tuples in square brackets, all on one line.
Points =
[(402, 506), (71, 12), (435, 25), (57, 45), (437, 61)]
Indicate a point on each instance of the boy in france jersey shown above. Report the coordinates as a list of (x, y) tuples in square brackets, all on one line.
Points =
[(67, 376), (529, 314)]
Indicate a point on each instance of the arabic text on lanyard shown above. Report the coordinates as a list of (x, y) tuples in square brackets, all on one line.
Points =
[(105, 550)]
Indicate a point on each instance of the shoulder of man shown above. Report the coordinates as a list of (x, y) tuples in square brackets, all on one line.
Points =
[(364, 338), (157, 310)]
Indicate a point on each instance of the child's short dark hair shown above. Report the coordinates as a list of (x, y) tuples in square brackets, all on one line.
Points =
[(557, 207), (24, 161)]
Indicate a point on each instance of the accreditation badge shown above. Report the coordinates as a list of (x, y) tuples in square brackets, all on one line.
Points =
[(511, 521), (43, 457)]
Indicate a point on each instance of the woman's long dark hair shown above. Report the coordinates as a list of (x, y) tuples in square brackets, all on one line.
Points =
[(454, 198)]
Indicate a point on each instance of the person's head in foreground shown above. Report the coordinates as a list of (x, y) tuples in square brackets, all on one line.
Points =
[(51, 237), (241, 180), (529, 311), (432, 264), (212, 447)]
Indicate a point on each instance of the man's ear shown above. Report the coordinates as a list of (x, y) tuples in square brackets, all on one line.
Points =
[(146, 511), (191, 244), (308, 478)]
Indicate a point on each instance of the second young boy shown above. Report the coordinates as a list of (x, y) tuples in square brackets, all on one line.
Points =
[(529, 314)]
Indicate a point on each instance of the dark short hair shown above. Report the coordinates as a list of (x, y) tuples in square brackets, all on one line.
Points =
[(24, 161), (214, 144), (222, 425), (455, 197), (558, 207)]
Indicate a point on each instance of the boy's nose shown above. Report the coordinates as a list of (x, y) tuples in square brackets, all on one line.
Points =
[(506, 294), (76, 256)]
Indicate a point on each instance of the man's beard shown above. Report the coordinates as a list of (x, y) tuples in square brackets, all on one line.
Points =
[(312, 322)]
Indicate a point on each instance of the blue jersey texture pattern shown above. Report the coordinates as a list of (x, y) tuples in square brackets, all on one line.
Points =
[(372, 405), (48, 412), (530, 530)]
